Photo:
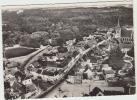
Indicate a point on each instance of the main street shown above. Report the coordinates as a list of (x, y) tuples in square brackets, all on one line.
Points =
[(69, 67)]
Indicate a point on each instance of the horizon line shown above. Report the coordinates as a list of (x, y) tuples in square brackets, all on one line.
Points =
[(67, 5)]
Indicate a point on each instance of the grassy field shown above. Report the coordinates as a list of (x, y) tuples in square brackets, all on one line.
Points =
[(18, 51)]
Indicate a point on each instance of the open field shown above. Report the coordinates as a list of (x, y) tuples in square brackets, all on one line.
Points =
[(18, 51)]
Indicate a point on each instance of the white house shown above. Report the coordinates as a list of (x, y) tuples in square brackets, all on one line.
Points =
[(27, 82)]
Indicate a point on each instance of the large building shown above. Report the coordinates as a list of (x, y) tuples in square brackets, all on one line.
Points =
[(124, 35)]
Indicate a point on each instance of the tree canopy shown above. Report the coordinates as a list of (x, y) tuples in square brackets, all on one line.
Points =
[(27, 41), (115, 59)]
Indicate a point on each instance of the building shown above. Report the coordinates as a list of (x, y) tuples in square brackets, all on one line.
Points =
[(106, 67), (124, 36), (27, 81), (109, 73), (127, 36), (78, 78), (100, 91), (88, 74), (118, 31), (75, 79)]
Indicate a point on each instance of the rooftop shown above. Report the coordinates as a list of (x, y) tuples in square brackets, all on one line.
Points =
[(126, 33), (109, 71)]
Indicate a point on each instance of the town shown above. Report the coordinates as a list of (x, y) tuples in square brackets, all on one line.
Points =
[(97, 64)]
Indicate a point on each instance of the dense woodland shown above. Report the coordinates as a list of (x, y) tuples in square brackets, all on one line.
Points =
[(32, 27)]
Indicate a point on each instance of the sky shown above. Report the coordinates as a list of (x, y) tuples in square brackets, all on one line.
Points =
[(29, 4), (22, 2)]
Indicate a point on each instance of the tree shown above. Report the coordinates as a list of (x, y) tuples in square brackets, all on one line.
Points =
[(60, 41), (27, 41), (79, 38), (75, 53), (67, 34), (116, 59), (62, 49), (6, 85), (42, 61), (98, 39), (42, 37), (7, 95), (86, 46), (75, 30), (131, 52), (55, 35), (131, 72)]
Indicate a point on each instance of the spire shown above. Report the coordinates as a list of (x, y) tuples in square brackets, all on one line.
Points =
[(118, 24)]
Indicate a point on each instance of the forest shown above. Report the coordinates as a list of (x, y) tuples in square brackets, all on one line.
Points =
[(29, 26)]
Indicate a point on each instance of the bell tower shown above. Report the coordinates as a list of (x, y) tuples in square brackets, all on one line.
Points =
[(118, 30)]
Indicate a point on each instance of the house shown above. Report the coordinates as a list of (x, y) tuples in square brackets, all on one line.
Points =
[(19, 76), (62, 49), (12, 64), (96, 92), (27, 81), (108, 73), (16, 85), (79, 76), (74, 79), (52, 59), (88, 73), (81, 44), (100, 91), (35, 64), (18, 88), (9, 77), (106, 67)]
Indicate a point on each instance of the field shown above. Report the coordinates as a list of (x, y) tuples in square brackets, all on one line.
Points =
[(11, 52)]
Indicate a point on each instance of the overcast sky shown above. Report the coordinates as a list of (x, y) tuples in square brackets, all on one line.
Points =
[(22, 2), (51, 3)]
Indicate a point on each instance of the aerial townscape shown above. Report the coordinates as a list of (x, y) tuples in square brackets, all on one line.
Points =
[(71, 52)]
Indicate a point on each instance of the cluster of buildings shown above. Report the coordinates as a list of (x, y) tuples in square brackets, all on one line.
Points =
[(94, 66), (35, 78)]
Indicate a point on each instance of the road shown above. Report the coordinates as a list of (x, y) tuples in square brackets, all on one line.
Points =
[(68, 69), (34, 57)]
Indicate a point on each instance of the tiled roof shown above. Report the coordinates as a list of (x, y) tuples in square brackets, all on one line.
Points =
[(109, 72), (126, 33)]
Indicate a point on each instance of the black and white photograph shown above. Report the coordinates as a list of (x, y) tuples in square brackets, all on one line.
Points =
[(61, 50)]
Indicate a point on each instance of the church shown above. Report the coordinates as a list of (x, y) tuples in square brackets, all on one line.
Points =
[(124, 35)]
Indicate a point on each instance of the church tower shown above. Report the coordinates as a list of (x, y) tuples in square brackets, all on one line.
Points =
[(118, 30)]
